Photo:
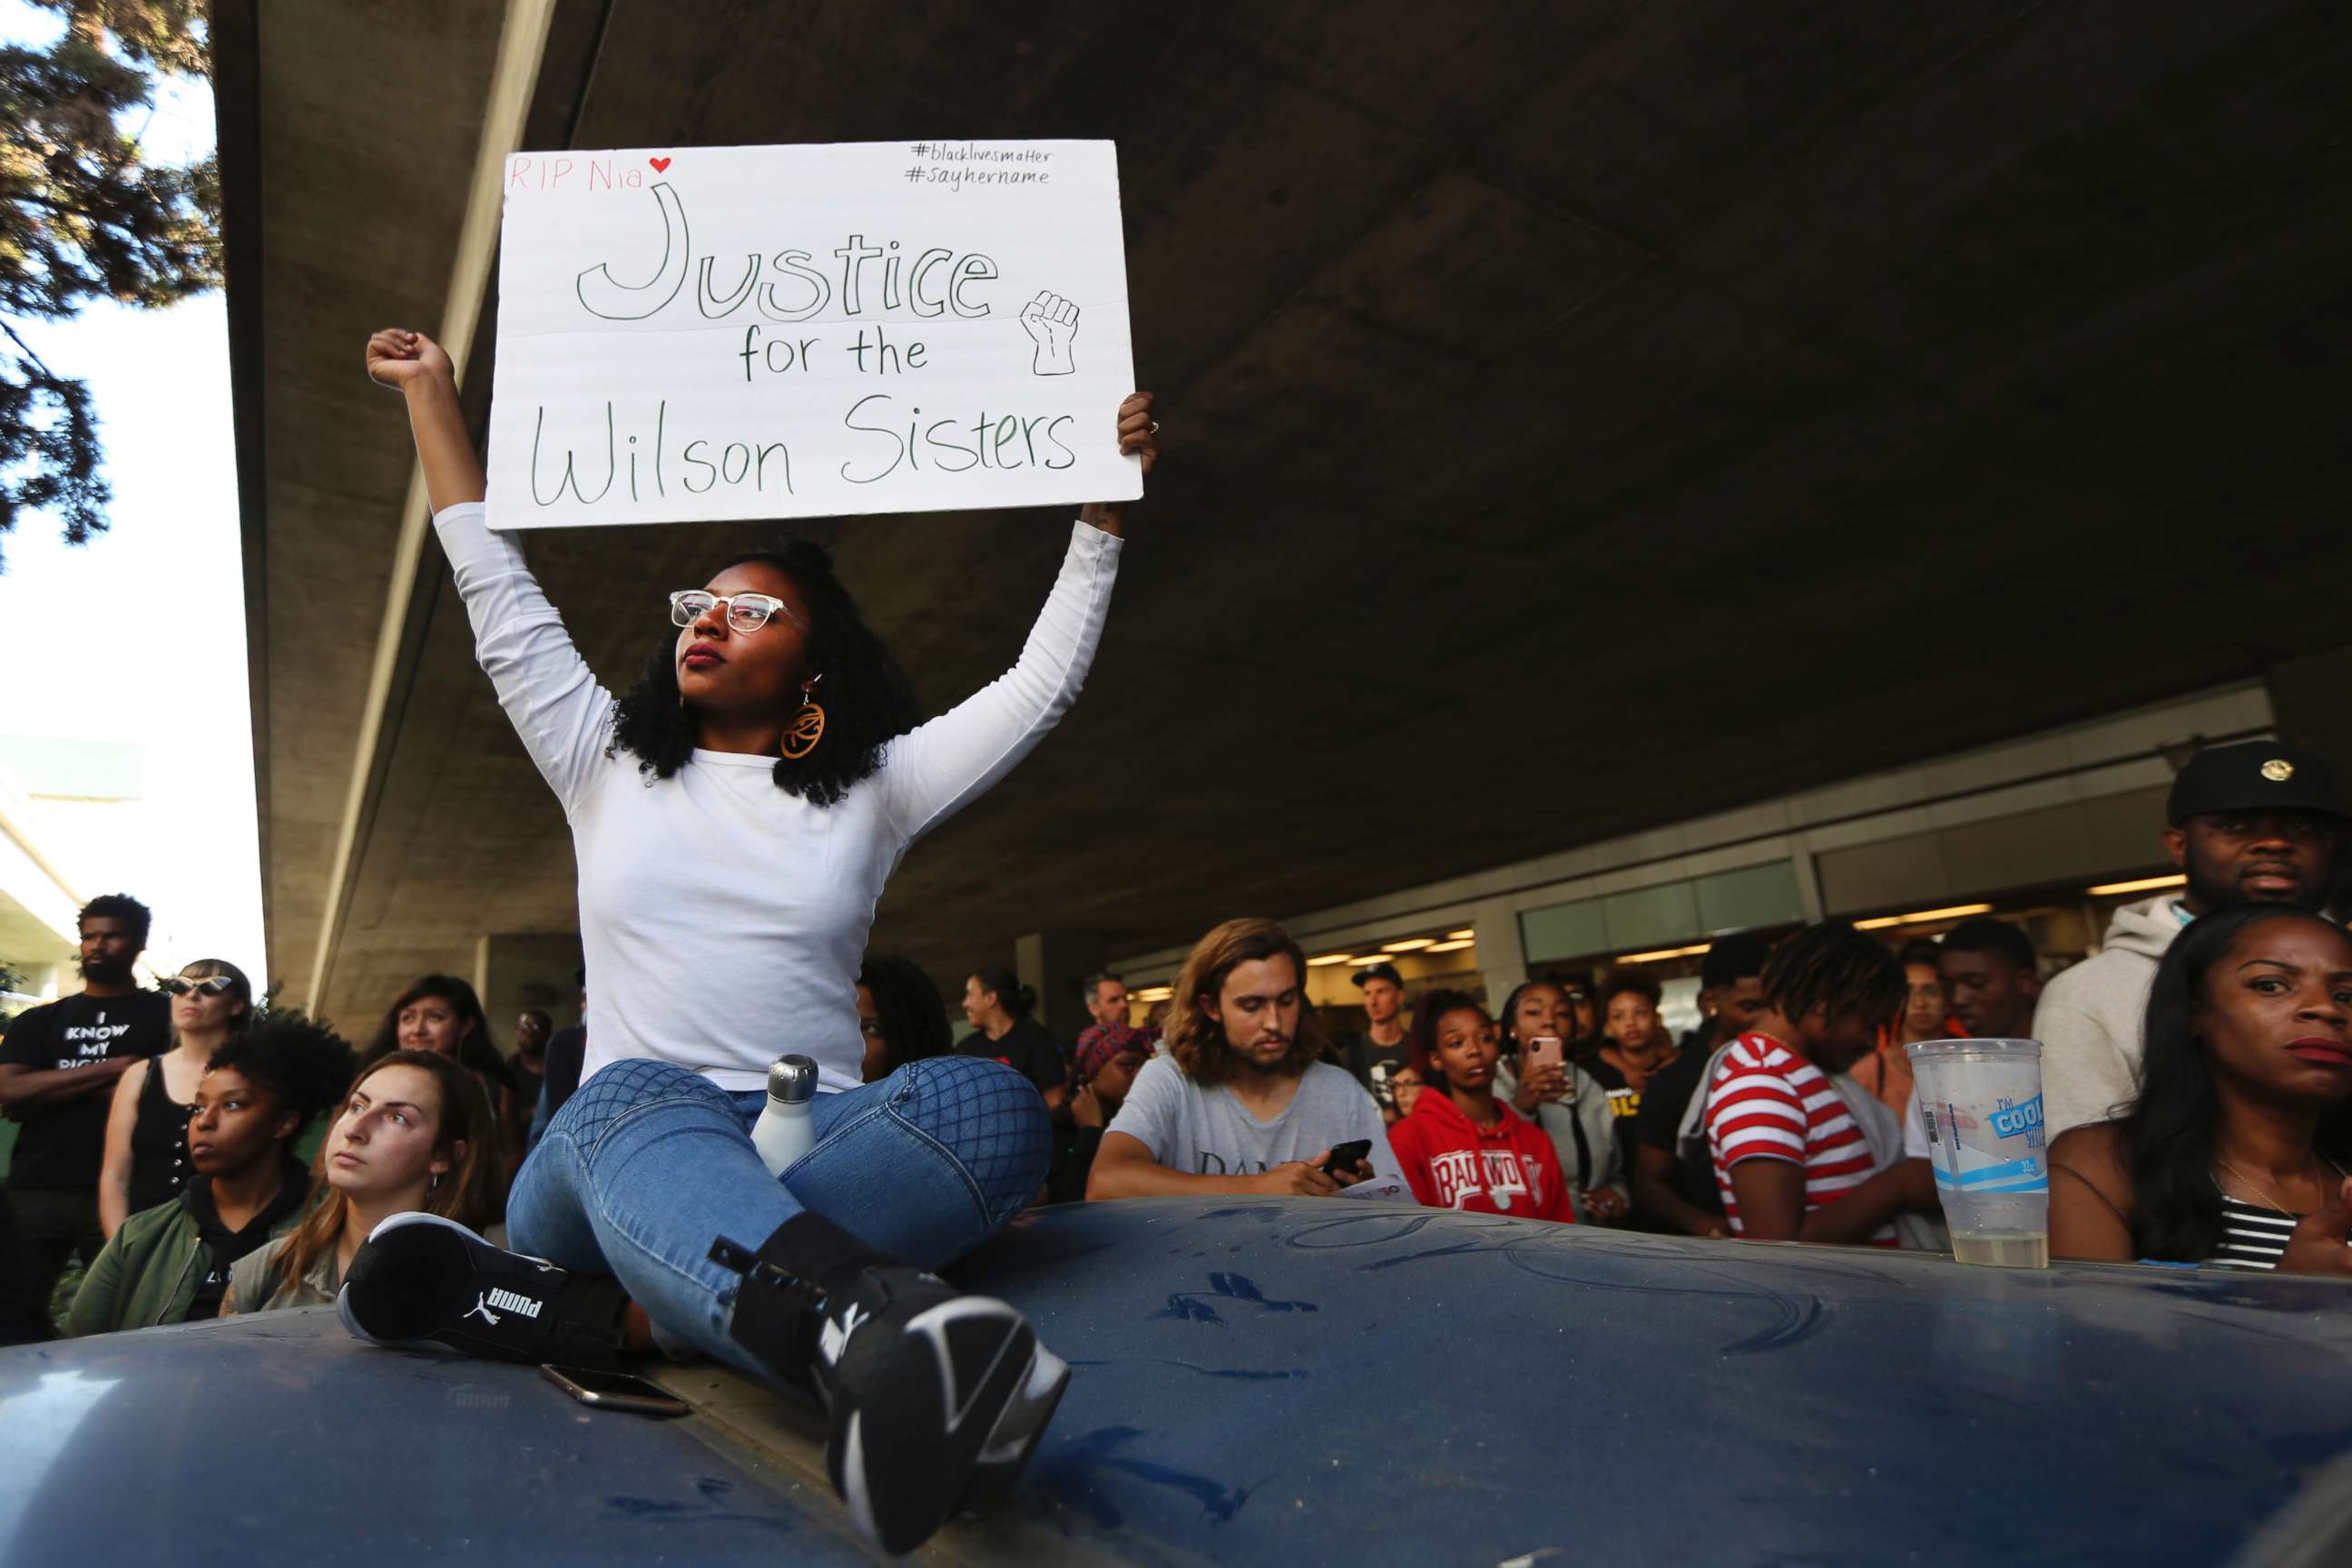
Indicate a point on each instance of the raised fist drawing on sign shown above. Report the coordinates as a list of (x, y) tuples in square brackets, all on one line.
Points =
[(1051, 321)]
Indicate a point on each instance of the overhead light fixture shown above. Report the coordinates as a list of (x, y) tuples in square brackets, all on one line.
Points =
[(1152, 994), (1452, 944), (1329, 958), (1921, 917), (2142, 885), (1465, 935), (1664, 953), (1409, 944)]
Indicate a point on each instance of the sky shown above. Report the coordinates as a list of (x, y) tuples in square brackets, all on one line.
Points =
[(139, 635)]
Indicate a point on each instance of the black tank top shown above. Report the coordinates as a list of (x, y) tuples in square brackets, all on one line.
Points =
[(159, 1143)]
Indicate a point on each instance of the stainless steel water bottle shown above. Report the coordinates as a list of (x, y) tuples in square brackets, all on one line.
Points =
[(787, 1126)]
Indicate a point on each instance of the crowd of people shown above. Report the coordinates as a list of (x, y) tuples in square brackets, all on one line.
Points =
[(737, 812), (2197, 1074)]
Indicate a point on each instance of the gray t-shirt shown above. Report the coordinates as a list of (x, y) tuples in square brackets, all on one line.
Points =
[(253, 1277), (1207, 1132)]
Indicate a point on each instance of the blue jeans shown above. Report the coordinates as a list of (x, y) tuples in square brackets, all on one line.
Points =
[(648, 1163)]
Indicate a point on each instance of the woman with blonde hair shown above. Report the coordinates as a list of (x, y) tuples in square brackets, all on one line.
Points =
[(146, 1160), (413, 1135)]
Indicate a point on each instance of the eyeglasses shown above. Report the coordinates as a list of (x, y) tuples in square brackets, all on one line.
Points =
[(745, 612), (210, 985)]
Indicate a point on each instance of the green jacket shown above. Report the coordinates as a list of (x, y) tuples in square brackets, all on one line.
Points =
[(149, 1273)]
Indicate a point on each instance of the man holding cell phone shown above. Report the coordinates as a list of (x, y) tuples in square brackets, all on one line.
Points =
[(1242, 1102)]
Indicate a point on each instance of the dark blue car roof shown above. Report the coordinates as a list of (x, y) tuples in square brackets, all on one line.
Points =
[(1298, 1382)]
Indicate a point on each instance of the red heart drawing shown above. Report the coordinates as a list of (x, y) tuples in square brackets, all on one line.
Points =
[(659, 164)]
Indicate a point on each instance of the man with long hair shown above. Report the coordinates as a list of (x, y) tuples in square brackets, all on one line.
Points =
[(1242, 1102), (57, 1071)]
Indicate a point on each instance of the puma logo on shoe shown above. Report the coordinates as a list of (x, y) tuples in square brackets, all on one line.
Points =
[(837, 1332), (505, 1301)]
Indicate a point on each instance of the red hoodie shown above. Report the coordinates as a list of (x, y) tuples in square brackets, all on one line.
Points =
[(1452, 1163)]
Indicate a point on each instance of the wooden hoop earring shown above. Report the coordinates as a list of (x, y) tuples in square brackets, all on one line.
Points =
[(807, 728)]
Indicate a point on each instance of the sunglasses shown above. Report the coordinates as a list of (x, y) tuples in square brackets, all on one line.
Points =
[(210, 985), (744, 611)]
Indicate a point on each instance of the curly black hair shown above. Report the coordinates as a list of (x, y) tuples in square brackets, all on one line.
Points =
[(868, 698), (1617, 982), (136, 917), (303, 1063)]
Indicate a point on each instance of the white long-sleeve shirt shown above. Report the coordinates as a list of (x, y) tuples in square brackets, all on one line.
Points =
[(723, 919)]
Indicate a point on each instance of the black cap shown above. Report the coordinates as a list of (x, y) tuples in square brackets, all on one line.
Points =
[(1382, 971), (2251, 776)]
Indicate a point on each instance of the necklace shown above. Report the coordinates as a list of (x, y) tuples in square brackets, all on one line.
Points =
[(2269, 1198)]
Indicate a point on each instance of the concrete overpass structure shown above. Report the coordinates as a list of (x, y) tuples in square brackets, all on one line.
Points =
[(61, 802), (1583, 418), (39, 907)]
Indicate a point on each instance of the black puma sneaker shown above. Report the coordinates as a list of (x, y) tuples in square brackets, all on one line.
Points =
[(936, 1398), (421, 1276)]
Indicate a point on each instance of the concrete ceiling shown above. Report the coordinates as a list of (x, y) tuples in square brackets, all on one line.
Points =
[(1579, 417)]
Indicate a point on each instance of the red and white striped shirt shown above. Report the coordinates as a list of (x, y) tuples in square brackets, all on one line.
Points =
[(1768, 1103)]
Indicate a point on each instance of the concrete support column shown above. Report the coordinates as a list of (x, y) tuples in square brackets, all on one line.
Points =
[(1056, 963), (1502, 957), (513, 972), (1809, 880)]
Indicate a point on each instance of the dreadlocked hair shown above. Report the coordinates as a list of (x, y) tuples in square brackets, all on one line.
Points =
[(868, 698), (1834, 966)]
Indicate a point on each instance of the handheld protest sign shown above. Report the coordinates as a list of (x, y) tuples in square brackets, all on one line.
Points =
[(729, 332)]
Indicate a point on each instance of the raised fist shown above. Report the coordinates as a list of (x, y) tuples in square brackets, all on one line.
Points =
[(1051, 323), (395, 358)]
